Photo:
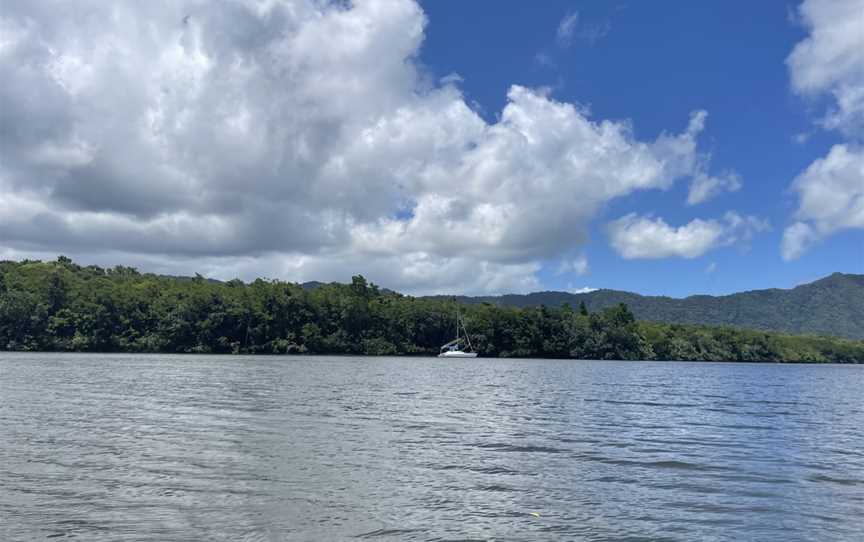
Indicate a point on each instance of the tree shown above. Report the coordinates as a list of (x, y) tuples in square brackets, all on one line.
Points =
[(63, 306)]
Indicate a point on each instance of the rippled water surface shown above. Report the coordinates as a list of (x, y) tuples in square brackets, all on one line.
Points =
[(112, 447)]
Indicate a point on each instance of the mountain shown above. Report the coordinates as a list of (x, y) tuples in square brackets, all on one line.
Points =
[(833, 305), (312, 285)]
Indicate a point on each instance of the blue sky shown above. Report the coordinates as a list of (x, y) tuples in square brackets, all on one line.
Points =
[(439, 147), (652, 65)]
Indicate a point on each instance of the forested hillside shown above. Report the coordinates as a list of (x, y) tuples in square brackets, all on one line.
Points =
[(62, 306), (833, 305)]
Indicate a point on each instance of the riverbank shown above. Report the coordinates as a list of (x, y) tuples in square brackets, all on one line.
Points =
[(63, 307)]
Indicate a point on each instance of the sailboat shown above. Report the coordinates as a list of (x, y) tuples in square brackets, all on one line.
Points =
[(455, 348)]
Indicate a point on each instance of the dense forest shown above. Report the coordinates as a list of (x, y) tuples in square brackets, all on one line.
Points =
[(833, 305), (62, 306)]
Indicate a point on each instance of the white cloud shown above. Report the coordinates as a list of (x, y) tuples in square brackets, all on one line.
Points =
[(297, 140), (570, 27), (830, 62), (578, 265), (452, 78), (583, 290), (711, 268), (802, 137), (642, 237), (831, 198), (741, 229), (566, 28), (704, 187), (797, 238), (635, 237)]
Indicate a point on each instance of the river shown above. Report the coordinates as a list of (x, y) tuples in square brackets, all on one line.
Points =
[(245, 448)]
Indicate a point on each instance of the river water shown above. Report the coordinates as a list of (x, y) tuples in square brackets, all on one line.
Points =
[(163, 447)]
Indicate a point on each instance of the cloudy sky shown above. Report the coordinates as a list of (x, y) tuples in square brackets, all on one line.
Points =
[(473, 147)]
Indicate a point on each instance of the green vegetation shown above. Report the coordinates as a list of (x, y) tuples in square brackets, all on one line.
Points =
[(61, 306), (833, 305)]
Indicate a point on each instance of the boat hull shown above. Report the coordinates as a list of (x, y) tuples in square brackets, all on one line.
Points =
[(457, 354)]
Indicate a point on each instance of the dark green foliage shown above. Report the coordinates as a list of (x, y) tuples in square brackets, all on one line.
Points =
[(833, 305), (61, 306)]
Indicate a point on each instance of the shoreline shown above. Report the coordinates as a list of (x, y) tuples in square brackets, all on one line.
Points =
[(416, 356), (64, 307)]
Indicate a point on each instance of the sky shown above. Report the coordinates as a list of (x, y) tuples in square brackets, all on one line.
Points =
[(438, 147)]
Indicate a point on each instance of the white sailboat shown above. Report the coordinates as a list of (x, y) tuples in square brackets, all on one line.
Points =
[(455, 348)]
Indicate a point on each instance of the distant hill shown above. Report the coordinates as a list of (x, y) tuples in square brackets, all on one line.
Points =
[(833, 305), (63, 306), (312, 284)]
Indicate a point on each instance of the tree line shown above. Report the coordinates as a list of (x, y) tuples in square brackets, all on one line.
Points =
[(63, 306)]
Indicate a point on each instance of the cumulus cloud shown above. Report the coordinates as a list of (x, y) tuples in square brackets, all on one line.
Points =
[(831, 196), (797, 238), (830, 62), (644, 237), (297, 140), (704, 187)]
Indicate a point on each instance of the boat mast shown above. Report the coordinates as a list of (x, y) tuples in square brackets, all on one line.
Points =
[(457, 324), (467, 338)]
